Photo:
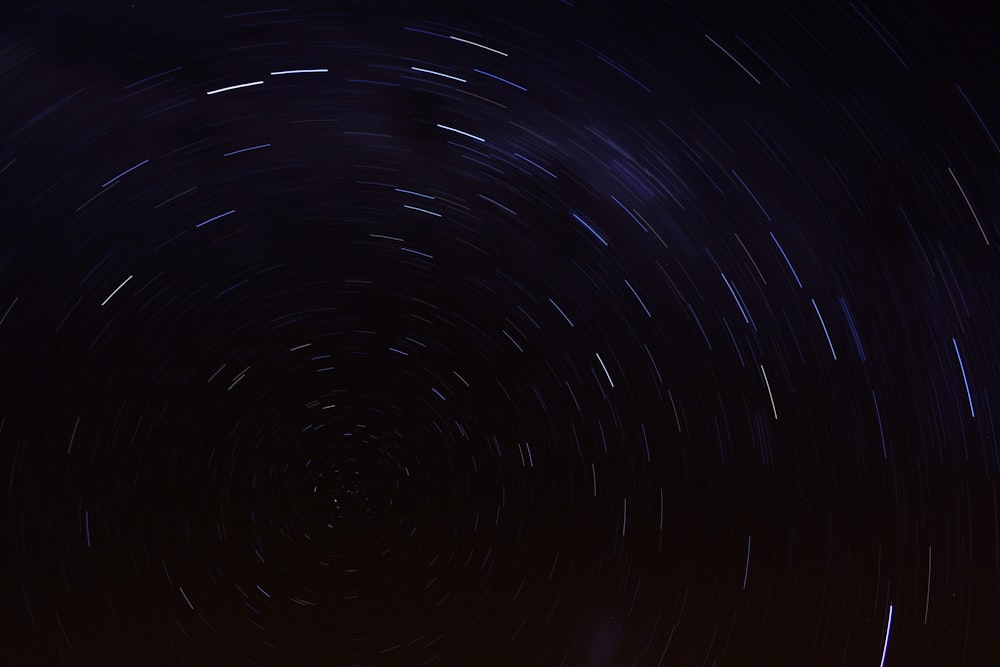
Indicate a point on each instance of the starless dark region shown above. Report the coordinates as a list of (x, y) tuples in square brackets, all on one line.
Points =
[(499, 333)]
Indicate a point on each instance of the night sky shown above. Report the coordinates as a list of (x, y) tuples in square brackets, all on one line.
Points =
[(591, 334)]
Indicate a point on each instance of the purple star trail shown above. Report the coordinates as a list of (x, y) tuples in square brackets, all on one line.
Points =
[(568, 333)]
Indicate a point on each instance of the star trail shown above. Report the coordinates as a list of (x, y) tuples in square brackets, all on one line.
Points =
[(503, 333)]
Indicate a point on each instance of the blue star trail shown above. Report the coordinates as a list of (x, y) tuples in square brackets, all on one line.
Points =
[(517, 333)]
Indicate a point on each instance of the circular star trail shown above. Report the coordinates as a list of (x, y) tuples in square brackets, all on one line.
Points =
[(555, 333)]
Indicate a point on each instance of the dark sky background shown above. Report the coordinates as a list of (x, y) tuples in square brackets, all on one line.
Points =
[(514, 333)]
